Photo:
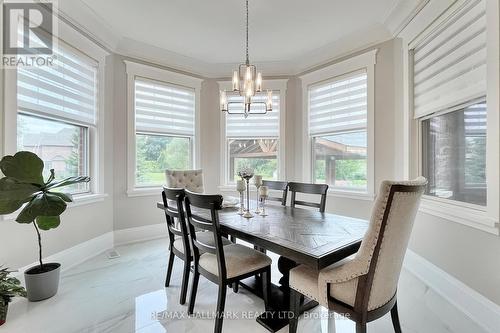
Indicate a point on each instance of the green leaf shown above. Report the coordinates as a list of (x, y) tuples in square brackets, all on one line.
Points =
[(13, 194), (68, 181), (24, 166), (43, 204), (48, 222), (65, 196)]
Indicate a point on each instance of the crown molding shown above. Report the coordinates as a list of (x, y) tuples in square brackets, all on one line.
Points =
[(402, 14), (86, 20)]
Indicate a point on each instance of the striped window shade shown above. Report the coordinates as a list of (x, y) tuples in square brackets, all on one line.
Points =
[(338, 105), (475, 119), (449, 66), (256, 125), (164, 108), (66, 91)]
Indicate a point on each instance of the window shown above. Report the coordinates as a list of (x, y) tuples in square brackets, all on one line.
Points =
[(338, 131), (57, 109), (254, 141), (449, 85), (454, 154), (165, 127)]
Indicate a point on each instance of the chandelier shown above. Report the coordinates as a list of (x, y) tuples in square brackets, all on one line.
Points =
[(247, 83)]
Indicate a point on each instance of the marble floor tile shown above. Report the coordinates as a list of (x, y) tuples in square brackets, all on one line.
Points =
[(127, 294)]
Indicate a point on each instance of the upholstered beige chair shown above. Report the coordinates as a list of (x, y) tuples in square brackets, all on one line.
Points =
[(191, 180), (364, 285)]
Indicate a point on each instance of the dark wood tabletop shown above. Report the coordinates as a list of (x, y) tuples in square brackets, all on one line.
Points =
[(302, 235)]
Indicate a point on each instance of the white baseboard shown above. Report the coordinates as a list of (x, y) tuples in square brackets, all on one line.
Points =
[(77, 254), (475, 306), (140, 234)]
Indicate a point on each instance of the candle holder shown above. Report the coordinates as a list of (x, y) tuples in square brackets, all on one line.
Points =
[(258, 184), (247, 174), (240, 187), (263, 205), (257, 208)]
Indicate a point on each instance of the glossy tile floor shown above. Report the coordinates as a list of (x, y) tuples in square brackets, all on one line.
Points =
[(126, 294)]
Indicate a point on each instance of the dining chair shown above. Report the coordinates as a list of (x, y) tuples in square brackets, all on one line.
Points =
[(191, 180), (178, 236), (364, 286), (222, 265), (320, 189), (279, 186)]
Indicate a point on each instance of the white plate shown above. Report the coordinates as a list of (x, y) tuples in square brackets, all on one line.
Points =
[(230, 202)]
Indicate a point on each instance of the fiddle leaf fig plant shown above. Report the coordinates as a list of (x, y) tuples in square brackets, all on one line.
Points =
[(24, 184)]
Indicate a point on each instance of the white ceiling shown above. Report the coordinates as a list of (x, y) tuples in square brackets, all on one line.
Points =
[(212, 31)]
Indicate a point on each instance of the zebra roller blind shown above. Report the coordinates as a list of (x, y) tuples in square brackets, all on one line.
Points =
[(449, 65), (338, 105), (65, 91), (164, 108), (256, 125)]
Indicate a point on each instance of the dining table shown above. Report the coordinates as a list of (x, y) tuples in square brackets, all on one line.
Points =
[(300, 237)]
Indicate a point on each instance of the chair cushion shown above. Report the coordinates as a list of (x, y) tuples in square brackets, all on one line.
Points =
[(203, 237), (239, 260), (307, 281)]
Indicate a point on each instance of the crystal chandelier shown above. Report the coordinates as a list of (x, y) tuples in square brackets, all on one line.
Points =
[(247, 83)]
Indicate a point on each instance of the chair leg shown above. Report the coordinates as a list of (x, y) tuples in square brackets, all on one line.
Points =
[(266, 288), (360, 327), (185, 281), (221, 302), (194, 289), (395, 318), (235, 286), (295, 309), (169, 268)]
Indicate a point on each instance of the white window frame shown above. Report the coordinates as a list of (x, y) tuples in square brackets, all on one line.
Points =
[(485, 218), (134, 70), (365, 61), (96, 133), (275, 85)]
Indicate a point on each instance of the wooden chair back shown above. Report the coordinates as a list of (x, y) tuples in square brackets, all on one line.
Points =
[(307, 188), (207, 220), (279, 186), (175, 210)]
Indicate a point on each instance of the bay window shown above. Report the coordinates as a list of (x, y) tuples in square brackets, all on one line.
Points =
[(57, 113), (164, 129), (449, 92), (254, 141), (338, 112)]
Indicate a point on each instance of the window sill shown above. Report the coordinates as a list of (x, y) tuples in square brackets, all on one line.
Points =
[(455, 212), (144, 192), (78, 200), (350, 194), (86, 199)]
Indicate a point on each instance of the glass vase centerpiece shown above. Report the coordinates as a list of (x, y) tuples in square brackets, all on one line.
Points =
[(247, 174), (241, 187)]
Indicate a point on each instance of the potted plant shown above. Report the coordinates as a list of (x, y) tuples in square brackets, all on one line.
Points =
[(9, 287), (43, 202)]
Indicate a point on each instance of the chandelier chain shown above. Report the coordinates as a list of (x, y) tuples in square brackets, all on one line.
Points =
[(248, 59)]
